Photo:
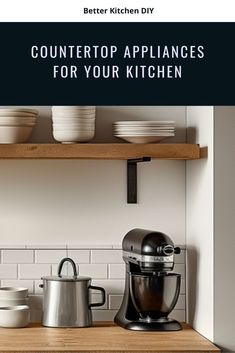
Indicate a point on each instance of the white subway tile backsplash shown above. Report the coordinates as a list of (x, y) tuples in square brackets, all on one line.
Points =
[(111, 286), (80, 256), (36, 302), (19, 283), (88, 247), (93, 270), (180, 305), (12, 246), (180, 268), (117, 271), (35, 315), (180, 258), (115, 301), (17, 256), (106, 256), (178, 315), (182, 287), (103, 315), (48, 247), (8, 271), (37, 289), (34, 271), (96, 298), (54, 270), (24, 266), (49, 256)]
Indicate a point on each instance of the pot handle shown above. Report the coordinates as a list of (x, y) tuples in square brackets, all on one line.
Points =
[(103, 296), (67, 259)]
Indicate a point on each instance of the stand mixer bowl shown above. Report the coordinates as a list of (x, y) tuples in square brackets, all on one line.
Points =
[(154, 296)]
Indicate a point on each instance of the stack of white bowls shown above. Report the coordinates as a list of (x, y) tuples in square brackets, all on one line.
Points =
[(144, 131), (14, 309), (16, 125), (73, 124)]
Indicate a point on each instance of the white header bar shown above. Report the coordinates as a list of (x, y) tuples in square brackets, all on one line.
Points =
[(117, 11)]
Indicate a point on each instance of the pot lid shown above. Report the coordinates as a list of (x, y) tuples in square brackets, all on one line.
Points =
[(66, 278)]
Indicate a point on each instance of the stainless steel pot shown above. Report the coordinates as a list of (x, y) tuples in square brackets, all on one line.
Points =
[(66, 299)]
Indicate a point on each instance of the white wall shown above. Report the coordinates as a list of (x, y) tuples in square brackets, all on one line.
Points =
[(224, 290), (199, 223), (84, 202)]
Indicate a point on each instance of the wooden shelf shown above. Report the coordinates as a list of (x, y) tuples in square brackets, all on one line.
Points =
[(102, 338), (123, 151)]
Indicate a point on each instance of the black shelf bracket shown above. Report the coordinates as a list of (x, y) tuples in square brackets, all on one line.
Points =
[(132, 178)]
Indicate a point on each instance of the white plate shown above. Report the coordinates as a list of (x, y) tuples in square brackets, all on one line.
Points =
[(142, 122), (74, 109), (144, 130), (13, 302), (145, 134), (142, 139), (11, 293)]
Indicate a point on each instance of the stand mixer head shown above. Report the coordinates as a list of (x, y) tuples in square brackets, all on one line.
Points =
[(150, 291)]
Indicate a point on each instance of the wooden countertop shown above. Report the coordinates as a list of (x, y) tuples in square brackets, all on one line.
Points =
[(103, 337)]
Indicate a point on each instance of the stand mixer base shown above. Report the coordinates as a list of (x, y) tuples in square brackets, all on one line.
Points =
[(161, 325)]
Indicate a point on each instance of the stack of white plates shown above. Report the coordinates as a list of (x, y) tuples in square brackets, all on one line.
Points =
[(14, 309), (16, 125), (73, 123), (144, 131)]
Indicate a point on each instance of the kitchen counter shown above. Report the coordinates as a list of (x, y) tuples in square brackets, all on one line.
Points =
[(103, 337)]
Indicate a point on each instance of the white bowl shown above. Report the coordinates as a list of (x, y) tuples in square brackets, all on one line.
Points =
[(73, 136), (15, 134), (82, 131), (16, 111), (9, 120), (14, 302), (74, 115), (73, 107), (14, 316), (10, 293), (17, 114), (18, 125), (74, 121), (74, 126)]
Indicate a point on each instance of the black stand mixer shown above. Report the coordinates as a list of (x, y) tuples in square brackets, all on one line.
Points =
[(151, 293)]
